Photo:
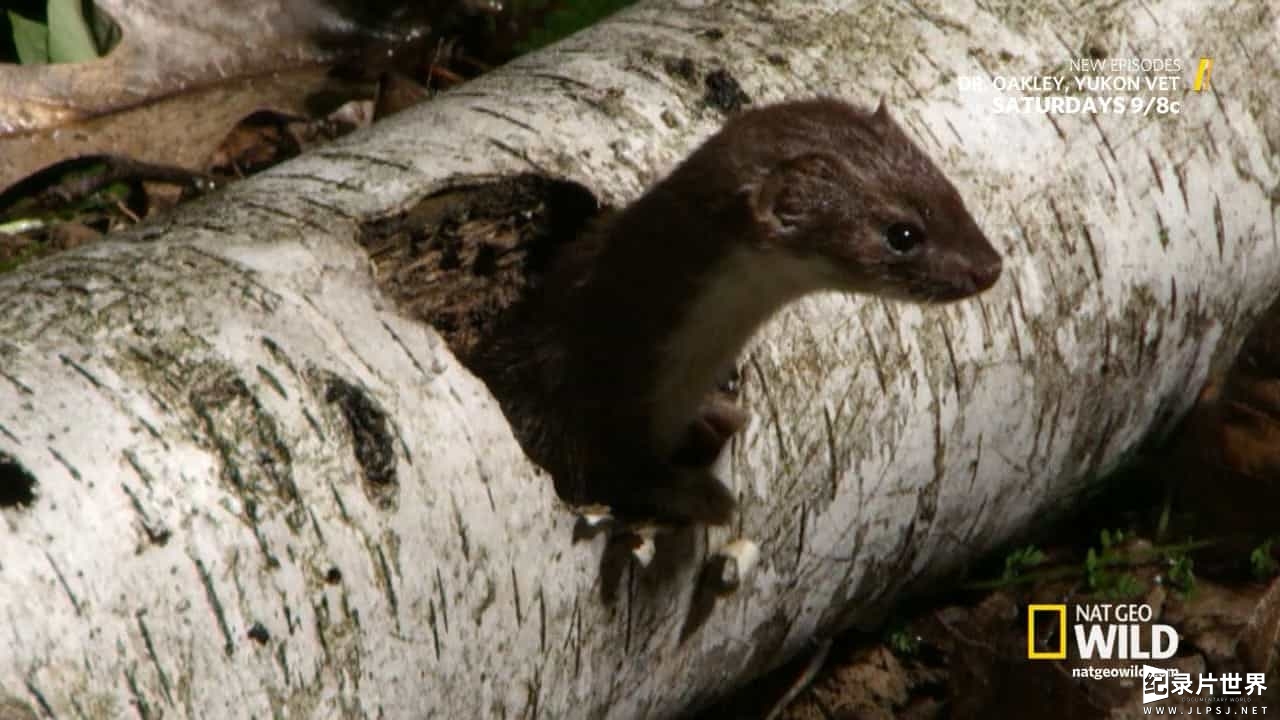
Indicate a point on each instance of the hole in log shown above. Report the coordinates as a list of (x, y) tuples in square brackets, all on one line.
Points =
[(460, 259), (17, 485)]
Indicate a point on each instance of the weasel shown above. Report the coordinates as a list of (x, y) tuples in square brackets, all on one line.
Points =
[(609, 372)]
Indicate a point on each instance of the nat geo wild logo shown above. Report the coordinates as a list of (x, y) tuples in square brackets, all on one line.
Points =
[(1107, 632)]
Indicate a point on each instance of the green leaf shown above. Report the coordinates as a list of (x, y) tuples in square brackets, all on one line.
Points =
[(568, 18), (1020, 560), (70, 39), (1122, 586), (1262, 563), (106, 33), (30, 38), (1182, 572)]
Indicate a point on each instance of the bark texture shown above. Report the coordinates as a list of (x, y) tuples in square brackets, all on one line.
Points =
[(237, 481)]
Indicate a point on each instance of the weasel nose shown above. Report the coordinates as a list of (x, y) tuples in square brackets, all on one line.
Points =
[(984, 275)]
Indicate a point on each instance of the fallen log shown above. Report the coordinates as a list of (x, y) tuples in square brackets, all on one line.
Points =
[(239, 476)]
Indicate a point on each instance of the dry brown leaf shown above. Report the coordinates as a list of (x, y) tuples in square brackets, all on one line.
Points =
[(1259, 642), (185, 72), (1227, 455), (65, 236), (1211, 618)]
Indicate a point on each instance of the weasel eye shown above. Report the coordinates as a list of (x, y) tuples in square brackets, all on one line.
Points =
[(904, 237)]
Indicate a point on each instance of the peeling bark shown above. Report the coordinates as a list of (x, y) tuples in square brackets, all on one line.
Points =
[(237, 479)]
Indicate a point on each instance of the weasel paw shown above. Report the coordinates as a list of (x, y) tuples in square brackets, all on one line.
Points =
[(719, 418), (694, 495)]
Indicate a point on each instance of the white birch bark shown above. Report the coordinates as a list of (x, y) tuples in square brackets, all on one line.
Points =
[(255, 489)]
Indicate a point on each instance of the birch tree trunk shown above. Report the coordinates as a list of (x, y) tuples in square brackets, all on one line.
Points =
[(237, 481)]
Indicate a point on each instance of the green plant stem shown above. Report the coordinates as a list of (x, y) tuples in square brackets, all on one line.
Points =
[(1061, 572)]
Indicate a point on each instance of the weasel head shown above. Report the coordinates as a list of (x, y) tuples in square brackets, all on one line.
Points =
[(850, 189)]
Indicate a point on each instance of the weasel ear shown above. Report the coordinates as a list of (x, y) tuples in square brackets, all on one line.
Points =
[(881, 115), (796, 191)]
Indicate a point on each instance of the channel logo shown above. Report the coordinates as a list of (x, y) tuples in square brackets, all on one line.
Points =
[(1103, 631), (1061, 612)]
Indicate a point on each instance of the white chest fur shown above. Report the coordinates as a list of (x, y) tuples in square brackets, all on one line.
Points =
[(736, 299)]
